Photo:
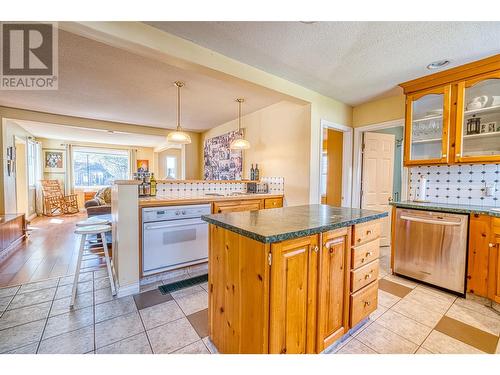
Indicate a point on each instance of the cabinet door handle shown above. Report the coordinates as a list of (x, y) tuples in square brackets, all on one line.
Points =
[(316, 248), (331, 250), (367, 303), (369, 254)]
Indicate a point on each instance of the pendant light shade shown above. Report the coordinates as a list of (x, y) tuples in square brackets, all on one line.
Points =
[(240, 143), (178, 136)]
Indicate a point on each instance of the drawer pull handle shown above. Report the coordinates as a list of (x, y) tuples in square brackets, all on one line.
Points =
[(368, 276), (369, 254), (362, 260), (368, 232), (367, 303)]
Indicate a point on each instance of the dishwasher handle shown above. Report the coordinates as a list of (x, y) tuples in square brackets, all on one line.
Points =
[(176, 224), (430, 221)]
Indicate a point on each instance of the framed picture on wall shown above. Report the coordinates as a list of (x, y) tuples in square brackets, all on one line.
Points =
[(53, 161), (142, 165)]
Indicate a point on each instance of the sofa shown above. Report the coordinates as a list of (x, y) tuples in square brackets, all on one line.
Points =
[(100, 204)]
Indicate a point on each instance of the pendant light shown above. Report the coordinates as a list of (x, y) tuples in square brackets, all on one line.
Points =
[(178, 136), (240, 143)]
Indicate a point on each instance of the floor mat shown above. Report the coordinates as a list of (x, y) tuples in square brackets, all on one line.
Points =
[(172, 287)]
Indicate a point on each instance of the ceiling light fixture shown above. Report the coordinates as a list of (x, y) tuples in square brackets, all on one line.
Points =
[(178, 136), (438, 64), (240, 143)]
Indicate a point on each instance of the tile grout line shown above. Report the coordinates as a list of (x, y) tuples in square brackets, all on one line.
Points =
[(144, 326), (47, 319), (426, 337)]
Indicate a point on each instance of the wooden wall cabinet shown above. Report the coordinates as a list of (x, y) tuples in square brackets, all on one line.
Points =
[(453, 116)]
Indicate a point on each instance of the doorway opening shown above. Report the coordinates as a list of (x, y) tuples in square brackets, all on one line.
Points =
[(379, 173), (336, 164)]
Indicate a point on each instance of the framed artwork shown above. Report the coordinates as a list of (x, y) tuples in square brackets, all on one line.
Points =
[(142, 165), (53, 161), (220, 162)]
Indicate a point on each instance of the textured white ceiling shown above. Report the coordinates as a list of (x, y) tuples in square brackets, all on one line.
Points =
[(351, 61), (102, 82), (81, 134)]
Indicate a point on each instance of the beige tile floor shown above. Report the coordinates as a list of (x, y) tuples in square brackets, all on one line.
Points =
[(36, 318)]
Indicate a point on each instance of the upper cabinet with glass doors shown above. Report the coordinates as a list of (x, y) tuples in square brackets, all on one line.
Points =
[(454, 116), (478, 119), (427, 127)]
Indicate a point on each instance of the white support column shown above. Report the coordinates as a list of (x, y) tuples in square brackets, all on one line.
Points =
[(125, 229)]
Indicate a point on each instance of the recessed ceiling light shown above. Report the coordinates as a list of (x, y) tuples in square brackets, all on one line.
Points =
[(438, 64)]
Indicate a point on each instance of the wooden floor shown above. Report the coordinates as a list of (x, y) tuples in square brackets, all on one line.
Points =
[(50, 251)]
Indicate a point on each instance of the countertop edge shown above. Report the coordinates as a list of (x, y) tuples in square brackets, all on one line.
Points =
[(427, 206), (174, 201), (294, 234)]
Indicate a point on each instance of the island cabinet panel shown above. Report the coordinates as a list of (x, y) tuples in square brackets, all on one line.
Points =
[(239, 279), (237, 206), (333, 294), (293, 296), (479, 253)]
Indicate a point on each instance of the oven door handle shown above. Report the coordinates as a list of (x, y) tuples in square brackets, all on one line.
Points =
[(165, 226), (430, 221)]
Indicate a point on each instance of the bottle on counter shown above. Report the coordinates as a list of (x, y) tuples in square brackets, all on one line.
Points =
[(141, 189), (256, 173), (153, 185), (252, 173)]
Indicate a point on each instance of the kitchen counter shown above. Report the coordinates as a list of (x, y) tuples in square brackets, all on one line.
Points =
[(451, 208), (186, 198), (269, 226)]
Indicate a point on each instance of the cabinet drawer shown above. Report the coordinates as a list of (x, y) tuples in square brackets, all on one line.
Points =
[(364, 254), (364, 275), (273, 202), (366, 232), (237, 206), (364, 302)]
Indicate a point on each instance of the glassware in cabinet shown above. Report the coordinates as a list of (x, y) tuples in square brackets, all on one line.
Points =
[(427, 126)]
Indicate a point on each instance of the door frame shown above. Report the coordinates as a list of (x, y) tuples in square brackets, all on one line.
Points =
[(22, 140), (346, 160), (358, 157)]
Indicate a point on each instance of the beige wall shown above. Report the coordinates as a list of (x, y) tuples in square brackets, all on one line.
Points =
[(377, 111), (280, 143), (8, 183), (177, 152)]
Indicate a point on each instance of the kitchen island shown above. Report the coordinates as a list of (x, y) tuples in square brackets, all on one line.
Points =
[(291, 280)]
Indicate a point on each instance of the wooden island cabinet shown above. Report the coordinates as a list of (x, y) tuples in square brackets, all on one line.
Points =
[(294, 295)]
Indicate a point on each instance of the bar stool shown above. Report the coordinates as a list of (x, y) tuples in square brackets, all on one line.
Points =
[(84, 231), (93, 220)]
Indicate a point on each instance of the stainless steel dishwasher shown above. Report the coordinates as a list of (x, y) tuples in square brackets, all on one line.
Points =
[(431, 247)]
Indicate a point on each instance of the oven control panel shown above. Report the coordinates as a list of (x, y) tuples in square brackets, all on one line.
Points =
[(166, 213)]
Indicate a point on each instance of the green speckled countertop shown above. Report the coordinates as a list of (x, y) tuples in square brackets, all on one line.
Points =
[(445, 207), (279, 224)]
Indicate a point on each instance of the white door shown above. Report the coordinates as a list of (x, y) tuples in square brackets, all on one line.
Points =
[(377, 177)]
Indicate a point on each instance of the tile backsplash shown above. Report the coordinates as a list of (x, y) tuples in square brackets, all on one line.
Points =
[(458, 184), (276, 186)]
